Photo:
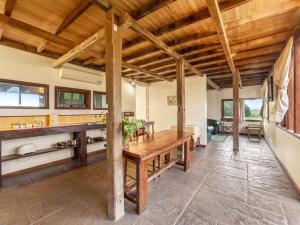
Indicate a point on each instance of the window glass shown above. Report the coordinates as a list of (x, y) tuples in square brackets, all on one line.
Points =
[(252, 109), (72, 98), (100, 100), (69, 98), (228, 109), (22, 95)]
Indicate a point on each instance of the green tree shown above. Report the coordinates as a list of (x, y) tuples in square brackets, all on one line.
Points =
[(247, 111)]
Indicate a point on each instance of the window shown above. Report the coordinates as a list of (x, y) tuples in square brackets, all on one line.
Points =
[(252, 109), (16, 94), (227, 109), (71, 98), (100, 100)]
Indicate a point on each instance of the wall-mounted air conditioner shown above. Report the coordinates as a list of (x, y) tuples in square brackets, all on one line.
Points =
[(81, 74)]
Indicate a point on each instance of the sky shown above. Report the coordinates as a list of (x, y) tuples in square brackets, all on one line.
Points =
[(254, 103)]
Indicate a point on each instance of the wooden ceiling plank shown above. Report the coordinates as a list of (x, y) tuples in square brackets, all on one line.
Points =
[(151, 7), (9, 6), (6, 21), (73, 15)]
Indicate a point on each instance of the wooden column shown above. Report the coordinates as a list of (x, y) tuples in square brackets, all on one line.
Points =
[(80, 151), (180, 96), (297, 81), (291, 94), (113, 44), (235, 124), (0, 164)]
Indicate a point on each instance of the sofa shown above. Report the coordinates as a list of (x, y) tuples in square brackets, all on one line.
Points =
[(215, 124)]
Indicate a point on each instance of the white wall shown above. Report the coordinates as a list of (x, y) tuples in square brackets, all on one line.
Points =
[(24, 66), (128, 97), (196, 107), (214, 99), (286, 147), (141, 102)]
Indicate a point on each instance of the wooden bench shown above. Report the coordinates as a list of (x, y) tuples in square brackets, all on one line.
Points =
[(150, 148)]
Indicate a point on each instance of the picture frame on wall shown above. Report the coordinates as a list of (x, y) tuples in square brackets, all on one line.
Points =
[(172, 100)]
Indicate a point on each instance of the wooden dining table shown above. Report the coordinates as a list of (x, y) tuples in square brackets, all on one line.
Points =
[(145, 149)]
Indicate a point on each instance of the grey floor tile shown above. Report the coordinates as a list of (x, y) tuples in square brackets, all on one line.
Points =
[(231, 211), (264, 200), (231, 187), (222, 169)]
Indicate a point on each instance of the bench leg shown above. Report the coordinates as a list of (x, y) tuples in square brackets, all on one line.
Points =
[(187, 155), (125, 173), (142, 186)]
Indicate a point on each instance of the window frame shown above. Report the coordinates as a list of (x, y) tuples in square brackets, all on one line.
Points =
[(17, 82), (231, 119), (222, 109), (87, 97), (94, 105)]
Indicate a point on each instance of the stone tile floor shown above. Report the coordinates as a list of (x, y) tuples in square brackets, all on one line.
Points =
[(221, 188)]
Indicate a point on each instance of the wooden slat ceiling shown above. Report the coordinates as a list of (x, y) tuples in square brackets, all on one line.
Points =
[(257, 31)]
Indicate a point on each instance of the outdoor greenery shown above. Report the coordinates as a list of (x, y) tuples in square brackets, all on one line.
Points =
[(251, 112), (228, 109)]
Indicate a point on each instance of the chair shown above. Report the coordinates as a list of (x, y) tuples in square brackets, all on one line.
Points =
[(226, 126), (254, 130)]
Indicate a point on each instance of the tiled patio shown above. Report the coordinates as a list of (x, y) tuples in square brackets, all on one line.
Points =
[(221, 188)]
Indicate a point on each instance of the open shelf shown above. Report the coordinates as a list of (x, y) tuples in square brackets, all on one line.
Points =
[(97, 140), (38, 152)]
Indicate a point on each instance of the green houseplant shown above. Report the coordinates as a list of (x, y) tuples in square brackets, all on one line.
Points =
[(129, 127)]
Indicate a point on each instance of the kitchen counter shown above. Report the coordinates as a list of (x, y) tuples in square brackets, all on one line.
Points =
[(42, 131)]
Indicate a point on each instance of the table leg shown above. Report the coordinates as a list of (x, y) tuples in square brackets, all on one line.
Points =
[(187, 156), (80, 152), (142, 186)]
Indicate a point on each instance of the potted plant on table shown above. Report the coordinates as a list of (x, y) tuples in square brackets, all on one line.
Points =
[(129, 128)]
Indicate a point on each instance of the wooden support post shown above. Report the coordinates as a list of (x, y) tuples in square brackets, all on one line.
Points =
[(291, 94), (297, 81), (142, 186), (80, 152), (113, 43), (180, 96), (235, 124), (180, 105), (0, 164), (187, 155)]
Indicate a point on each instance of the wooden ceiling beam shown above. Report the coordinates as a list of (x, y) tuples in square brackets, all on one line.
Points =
[(197, 17), (152, 51), (1, 32), (80, 8), (144, 71), (9, 6), (77, 50), (215, 13), (251, 40), (6, 21), (186, 53), (258, 52), (171, 62), (41, 47), (133, 25)]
